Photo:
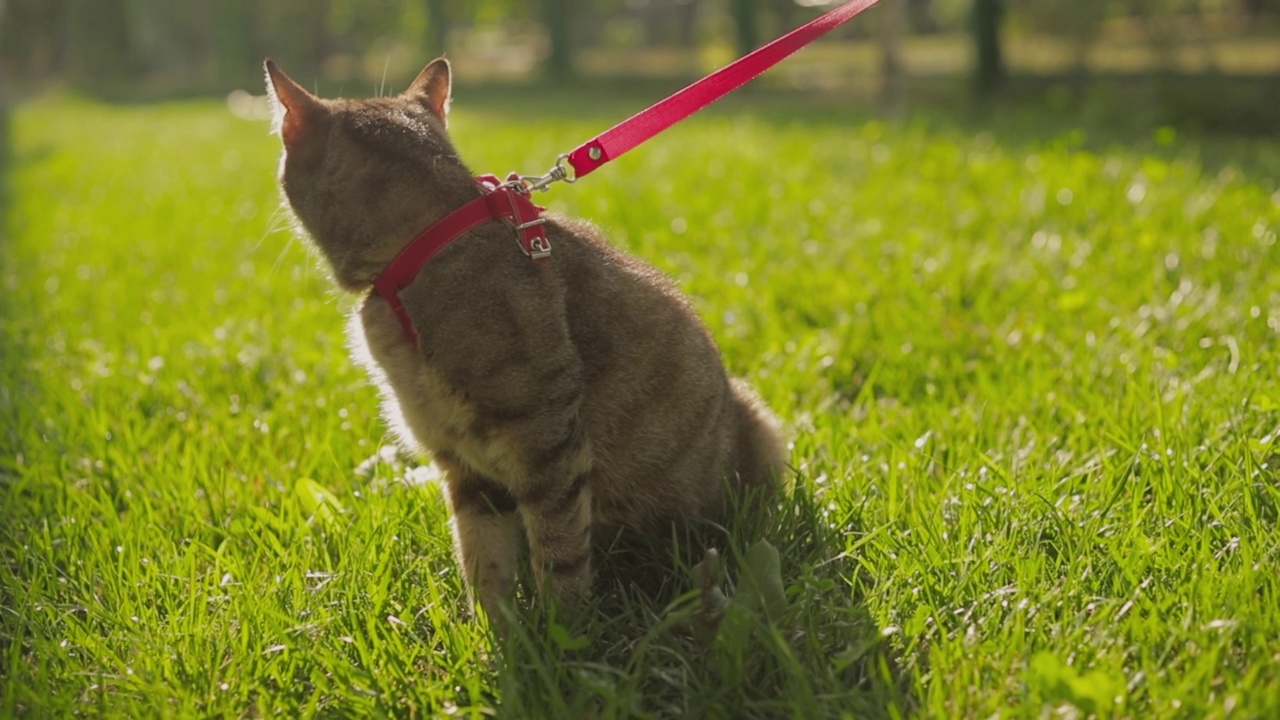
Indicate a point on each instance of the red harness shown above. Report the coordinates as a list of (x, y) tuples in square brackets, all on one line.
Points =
[(506, 201)]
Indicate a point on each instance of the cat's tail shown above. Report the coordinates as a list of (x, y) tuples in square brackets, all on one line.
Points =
[(760, 455)]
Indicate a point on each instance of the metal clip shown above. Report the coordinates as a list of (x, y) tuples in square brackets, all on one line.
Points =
[(557, 173)]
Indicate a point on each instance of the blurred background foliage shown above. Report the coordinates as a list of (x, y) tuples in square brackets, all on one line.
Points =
[(1214, 64)]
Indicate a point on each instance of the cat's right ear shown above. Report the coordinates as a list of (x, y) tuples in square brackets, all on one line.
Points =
[(300, 117), (433, 88)]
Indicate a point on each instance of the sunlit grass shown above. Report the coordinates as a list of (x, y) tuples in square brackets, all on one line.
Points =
[(1031, 382)]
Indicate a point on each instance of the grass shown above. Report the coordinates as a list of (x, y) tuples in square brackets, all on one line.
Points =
[(1030, 374)]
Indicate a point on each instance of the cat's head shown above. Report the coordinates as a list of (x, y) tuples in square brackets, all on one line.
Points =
[(364, 177)]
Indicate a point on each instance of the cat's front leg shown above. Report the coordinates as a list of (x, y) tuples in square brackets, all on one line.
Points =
[(486, 533), (555, 506)]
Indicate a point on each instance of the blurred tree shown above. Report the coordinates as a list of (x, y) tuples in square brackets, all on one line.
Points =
[(922, 17), (985, 22), (317, 31), (33, 36), (1159, 25), (235, 52), (686, 12), (557, 18), (787, 14), (355, 26), (4, 120), (893, 21), (662, 23), (98, 43), (1077, 21), (437, 27), (1255, 9), (172, 42), (746, 21), (295, 33)]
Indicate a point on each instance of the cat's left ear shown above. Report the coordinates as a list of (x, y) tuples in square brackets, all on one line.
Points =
[(299, 116), (433, 88)]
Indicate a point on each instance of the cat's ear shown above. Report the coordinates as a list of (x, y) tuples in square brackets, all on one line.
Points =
[(432, 88), (299, 116)]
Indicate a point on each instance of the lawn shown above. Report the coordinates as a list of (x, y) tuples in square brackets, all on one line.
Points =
[(1031, 373)]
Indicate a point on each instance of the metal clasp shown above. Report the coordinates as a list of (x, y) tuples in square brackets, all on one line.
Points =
[(558, 172), (539, 246)]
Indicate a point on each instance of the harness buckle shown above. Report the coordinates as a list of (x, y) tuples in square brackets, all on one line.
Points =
[(526, 218)]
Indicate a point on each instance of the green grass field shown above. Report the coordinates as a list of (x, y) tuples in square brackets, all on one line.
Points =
[(1031, 376)]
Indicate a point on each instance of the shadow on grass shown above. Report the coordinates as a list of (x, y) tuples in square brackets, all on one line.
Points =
[(645, 646), (11, 358), (6, 159), (16, 389)]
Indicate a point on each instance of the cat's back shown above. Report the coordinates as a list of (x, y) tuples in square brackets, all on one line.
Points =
[(659, 403)]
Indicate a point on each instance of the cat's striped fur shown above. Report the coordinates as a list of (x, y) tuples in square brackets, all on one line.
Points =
[(558, 397)]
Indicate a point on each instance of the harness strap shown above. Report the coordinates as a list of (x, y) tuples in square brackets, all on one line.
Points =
[(507, 202)]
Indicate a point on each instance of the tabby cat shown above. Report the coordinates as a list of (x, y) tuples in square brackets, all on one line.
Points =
[(560, 397)]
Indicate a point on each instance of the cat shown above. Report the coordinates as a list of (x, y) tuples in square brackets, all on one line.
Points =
[(561, 397)]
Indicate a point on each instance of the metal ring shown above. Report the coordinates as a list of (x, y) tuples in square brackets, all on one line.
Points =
[(560, 165)]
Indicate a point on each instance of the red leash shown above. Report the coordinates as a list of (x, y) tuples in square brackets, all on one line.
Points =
[(509, 201), (649, 122)]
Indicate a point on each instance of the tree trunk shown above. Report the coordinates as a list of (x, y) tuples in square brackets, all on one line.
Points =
[(234, 53), (437, 26), (746, 18), (893, 92), (989, 70), (318, 47), (99, 47), (558, 19), (4, 131), (687, 20)]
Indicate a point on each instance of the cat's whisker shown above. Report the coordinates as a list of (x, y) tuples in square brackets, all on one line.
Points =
[(280, 258), (275, 223)]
